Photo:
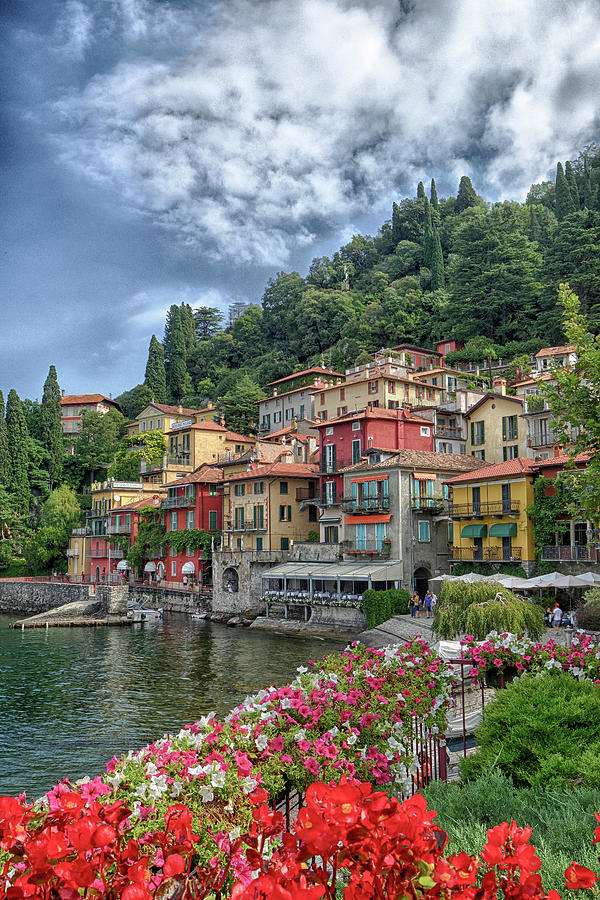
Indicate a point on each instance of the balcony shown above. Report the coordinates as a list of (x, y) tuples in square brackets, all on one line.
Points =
[(370, 505), (165, 462), (497, 508), (568, 554), (450, 433), (80, 532), (543, 438), (123, 528), (434, 505), (367, 548), (330, 468), (306, 493), (246, 528), (72, 552), (475, 554), (178, 502)]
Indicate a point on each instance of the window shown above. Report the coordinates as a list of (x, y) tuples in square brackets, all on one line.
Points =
[(342, 393), (239, 490), (447, 348), (356, 451), (277, 417), (509, 429), (373, 387), (312, 513), (258, 487), (324, 415), (173, 569), (259, 543), (476, 497), (356, 426), (478, 454), (328, 458), (331, 534), (173, 522), (212, 520), (477, 433), (425, 431), (391, 387), (239, 517), (283, 487), (285, 513), (451, 383), (301, 413), (328, 497), (289, 414), (238, 543), (424, 532), (172, 551), (342, 410), (329, 430), (267, 420), (506, 504), (450, 532), (189, 519), (510, 452), (285, 543), (434, 380), (445, 492), (258, 516), (322, 400), (189, 551), (212, 490)]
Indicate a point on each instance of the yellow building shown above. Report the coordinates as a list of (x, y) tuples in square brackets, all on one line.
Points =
[(489, 514), (267, 508), (494, 431), (162, 417), (376, 388)]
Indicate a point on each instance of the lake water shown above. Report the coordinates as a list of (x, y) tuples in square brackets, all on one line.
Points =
[(72, 698)]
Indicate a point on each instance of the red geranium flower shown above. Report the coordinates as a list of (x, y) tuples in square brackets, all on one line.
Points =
[(577, 876)]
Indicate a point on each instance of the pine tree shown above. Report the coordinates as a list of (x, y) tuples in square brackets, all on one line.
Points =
[(427, 235), (421, 191), (533, 226), (466, 195), (563, 198), (570, 176), (3, 444), (17, 455), (155, 377), (189, 327), (438, 281), (435, 206), (176, 368), (51, 428)]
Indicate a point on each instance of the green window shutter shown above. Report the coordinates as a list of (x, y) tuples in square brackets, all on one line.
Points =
[(472, 434), (516, 427), (504, 428), (483, 432), (504, 454), (254, 516), (289, 518)]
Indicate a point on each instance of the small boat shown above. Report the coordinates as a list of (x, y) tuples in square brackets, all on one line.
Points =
[(199, 614), (138, 614)]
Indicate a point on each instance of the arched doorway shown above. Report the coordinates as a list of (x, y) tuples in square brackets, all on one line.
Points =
[(421, 578), (231, 581)]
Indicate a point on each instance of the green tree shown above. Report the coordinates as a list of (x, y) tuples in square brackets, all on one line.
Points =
[(563, 204), (279, 299), (188, 325), (52, 438), (3, 443), (571, 181), (421, 191), (427, 235), (149, 446), (438, 281), (18, 452), (155, 377), (175, 355), (151, 536), (239, 405), (97, 443), (435, 206), (573, 256), (134, 401), (466, 196), (13, 530), (493, 276), (574, 401), (208, 321), (46, 547)]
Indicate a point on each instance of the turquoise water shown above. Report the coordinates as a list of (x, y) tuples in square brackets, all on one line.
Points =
[(71, 698)]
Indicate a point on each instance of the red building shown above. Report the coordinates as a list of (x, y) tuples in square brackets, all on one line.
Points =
[(192, 503), (449, 346), (108, 557), (343, 441)]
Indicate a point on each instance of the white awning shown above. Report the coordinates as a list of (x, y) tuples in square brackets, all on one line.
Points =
[(345, 571), (188, 568), (122, 565), (150, 567)]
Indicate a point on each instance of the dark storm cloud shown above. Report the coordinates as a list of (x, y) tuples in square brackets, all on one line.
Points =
[(182, 150)]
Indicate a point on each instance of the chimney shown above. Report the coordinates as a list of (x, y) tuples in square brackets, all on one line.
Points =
[(180, 409), (63, 392), (500, 383), (274, 391), (222, 421)]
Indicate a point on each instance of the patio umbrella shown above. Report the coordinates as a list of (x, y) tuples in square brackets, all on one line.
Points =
[(590, 577), (513, 582), (569, 581)]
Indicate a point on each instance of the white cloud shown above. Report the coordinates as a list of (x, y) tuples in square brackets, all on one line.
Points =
[(274, 121), (74, 29)]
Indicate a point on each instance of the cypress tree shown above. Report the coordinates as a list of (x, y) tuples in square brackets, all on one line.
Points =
[(395, 222), (433, 195), (466, 195), (176, 370), (18, 456), (435, 206), (563, 198), (438, 281), (534, 232), (427, 235), (51, 428), (588, 188), (3, 444), (570, 176), (421, 191), (155, 377), (189, 327)]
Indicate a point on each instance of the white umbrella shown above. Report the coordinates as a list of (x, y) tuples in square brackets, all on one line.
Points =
[(569, 581), (590, 577), (513, 582)]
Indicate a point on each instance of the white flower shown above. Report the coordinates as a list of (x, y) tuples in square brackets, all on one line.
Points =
[(157, 787), (151, 769), (300, 735), (351, 740), (115, 779), (140, 790), (248, 784), (197, 770), (176, 788), (285, 703), (218, 779), (235, 833), (206, 793), (261, 742)]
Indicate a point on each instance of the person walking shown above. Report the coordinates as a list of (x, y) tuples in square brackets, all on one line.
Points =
[(556, 617), (411, 606), (428, 604), (417, 606)]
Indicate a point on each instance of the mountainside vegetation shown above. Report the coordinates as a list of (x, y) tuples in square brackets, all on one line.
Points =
[(456, 267)]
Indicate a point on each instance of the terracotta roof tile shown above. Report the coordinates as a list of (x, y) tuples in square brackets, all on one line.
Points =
[(521, 465), (277, 470), (204, 473), (375, 412), (175, 410), (316, 370), (424, 459), (70, 399), (554, 351)]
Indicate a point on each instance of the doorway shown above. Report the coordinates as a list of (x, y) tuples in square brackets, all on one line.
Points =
[(421, 580)]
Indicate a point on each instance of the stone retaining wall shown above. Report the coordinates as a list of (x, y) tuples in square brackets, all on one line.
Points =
[(33, 597), (169, 601)]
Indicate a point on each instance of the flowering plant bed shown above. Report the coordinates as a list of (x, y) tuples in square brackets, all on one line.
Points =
[(347, 836), (503, 651)]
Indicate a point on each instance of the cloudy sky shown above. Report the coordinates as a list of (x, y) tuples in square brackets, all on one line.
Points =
[(156, 151)]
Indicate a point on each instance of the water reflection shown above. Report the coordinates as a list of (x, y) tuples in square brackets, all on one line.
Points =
[(72, 698)]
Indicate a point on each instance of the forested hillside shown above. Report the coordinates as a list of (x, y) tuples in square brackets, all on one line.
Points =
[(455, 266)]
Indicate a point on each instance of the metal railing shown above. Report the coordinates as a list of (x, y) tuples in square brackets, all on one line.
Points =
[(434, 505), (367, 546), (449, 431), (369, 505), (178, 502), (568, 553), (247, 526), (328, 468), (306, 493), (471, 554), (492, 508), (123, 528)]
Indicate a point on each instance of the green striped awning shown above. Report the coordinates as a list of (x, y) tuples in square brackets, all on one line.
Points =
[(474, 531), (508, 529)]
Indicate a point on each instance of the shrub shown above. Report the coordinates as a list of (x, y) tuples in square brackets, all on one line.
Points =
[(561, 818), (379, 606), (482, 607), (541, 731)]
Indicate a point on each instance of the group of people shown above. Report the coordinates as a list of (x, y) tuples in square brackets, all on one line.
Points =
[(554, 617), (416, 604)]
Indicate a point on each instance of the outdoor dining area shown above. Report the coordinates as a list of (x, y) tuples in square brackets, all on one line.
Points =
[(326, 584), (555, 580)]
